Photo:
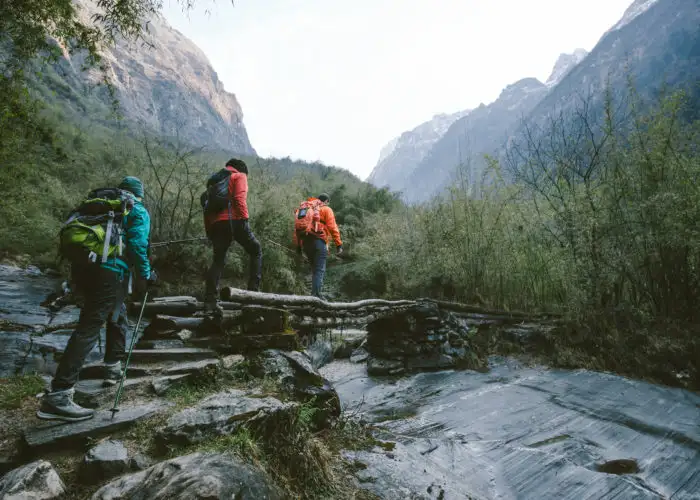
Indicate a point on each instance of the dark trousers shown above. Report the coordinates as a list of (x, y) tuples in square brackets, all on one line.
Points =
[(222, 234), (104, 292), (316, 251)]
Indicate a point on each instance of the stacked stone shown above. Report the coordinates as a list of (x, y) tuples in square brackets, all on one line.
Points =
[(420, 338)]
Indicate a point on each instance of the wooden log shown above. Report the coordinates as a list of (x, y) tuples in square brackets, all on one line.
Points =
[(162, 322), (178, 307), (278, 300), (466, 308)]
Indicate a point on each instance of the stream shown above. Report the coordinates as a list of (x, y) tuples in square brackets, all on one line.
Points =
[(515, 432)]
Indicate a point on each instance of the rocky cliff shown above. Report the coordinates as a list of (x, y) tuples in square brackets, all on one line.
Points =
[(656, 42), (165, 84)]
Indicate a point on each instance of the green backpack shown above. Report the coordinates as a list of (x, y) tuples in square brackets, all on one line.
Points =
[(94, 228)]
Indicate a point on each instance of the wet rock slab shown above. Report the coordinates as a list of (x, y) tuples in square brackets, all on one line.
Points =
[(526, 433), (34, 481), (219, 414), (58, 434), (191, 477)]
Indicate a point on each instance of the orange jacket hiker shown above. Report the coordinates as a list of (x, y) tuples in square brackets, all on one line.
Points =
[(328, 224)]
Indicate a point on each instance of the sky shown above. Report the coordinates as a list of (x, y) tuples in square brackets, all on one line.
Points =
[(335, 80)]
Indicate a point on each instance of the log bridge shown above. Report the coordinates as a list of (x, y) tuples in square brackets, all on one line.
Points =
[(256, 320)]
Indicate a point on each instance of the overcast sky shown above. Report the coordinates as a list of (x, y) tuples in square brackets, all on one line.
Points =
[(335, 80)]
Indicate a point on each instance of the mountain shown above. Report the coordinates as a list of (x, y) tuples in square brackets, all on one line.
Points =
[(164, 83), (402, 154), (481, 131), (656, 43), (564, 64)]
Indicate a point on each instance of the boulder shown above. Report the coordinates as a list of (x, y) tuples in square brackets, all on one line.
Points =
[(217, 415), (346, 347), (104, 461), (193, 477), (296, 376), (35, 481), (420, 338), (359, 356)]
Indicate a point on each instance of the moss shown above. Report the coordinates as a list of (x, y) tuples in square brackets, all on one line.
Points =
[(15, 390)]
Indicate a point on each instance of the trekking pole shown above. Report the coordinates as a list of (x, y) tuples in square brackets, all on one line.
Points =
[(114, 410), (173, 242)]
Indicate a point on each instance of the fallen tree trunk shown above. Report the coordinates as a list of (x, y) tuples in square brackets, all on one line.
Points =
[(289, 301)]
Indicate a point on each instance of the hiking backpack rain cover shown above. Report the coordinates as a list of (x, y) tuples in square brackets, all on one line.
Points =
[(307, 220), (217, 198), (94, 228)]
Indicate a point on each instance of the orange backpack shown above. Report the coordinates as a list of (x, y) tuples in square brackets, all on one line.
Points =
[(307, 220)]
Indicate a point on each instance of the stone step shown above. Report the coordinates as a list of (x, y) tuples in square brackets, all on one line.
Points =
[(176, 354), (92, 394), (55, 435), (239, 344), (97, 371), (160, 344), (160, 385)]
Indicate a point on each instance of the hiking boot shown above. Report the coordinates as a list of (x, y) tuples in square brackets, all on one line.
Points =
[(59, 405), (113, 374)]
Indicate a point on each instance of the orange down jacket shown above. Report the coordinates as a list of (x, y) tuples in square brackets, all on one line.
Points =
[(238, 191), (330, 228)]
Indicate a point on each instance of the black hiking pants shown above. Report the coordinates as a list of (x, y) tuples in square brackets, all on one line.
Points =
[(104, 292), (222, 234)]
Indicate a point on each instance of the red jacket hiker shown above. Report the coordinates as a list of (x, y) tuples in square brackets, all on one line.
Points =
[(238, 190)]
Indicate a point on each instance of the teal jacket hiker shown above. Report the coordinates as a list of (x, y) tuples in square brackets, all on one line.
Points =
[(137, 233)]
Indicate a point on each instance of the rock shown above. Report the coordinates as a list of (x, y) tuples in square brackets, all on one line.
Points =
[(232, 360), (359, 356), (378, 366), (140, 462), (104, 461), (192, 367), (185, 335), (347, 346), (161, 385), (193, 477), (35, 481), (296, 376), (219, 414), (57, 434), (320, 353)]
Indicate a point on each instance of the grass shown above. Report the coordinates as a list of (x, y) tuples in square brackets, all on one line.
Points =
[(15, 390)]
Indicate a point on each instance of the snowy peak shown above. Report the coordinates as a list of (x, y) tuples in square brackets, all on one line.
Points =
[(638, 7), (403, 153), (564, 64)]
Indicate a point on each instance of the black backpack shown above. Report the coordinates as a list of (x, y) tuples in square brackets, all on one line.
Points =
[(216, 198)]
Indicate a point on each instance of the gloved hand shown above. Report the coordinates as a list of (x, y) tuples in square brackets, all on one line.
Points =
[(152, 279)]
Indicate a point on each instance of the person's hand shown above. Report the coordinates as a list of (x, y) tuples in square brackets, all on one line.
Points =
[(152, 278), (339, 251)]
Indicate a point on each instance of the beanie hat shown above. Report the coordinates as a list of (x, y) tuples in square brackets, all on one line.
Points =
[(238, 165), (133, 185), (324, 197)]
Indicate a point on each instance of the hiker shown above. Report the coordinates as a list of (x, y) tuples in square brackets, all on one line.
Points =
[(226, 221), (103, 286), (314, 226)]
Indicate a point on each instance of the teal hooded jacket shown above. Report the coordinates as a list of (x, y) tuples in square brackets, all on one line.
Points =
[(137, 233)]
